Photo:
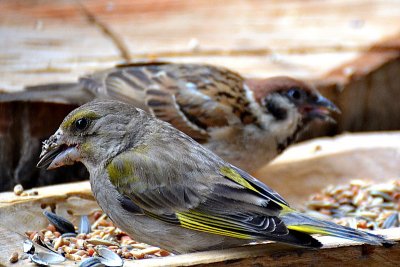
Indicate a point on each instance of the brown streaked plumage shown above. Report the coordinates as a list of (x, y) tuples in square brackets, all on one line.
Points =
[(192, 97), (247, 122), (216, 106)]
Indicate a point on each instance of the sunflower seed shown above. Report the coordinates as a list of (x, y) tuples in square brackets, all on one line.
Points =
[(91, 262), (381, 194), (29, 248), (38, 240), (108, 257), (46, 258), (391, 221), (68, 235), (77, 248), (84, 225), (61, 224)]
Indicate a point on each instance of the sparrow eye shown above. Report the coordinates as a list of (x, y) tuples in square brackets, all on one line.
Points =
[(294, 93), (81, 124)]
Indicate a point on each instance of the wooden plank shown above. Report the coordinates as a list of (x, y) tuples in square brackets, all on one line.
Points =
[(373, 156), (76, 197), (335, 249), (56, 41), (247, 26), (350, 51), (47, 42)]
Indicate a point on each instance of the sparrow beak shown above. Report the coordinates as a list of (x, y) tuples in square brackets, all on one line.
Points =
[(56, 154), (321, 108)]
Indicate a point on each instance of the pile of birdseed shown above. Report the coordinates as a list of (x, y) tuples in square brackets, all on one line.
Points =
[(79, 246), (359, 204)]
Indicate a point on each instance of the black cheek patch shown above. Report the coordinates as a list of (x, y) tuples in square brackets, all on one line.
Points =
[(278, 112)]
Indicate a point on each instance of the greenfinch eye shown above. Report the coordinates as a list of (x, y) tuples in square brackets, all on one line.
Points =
[(81, 124)]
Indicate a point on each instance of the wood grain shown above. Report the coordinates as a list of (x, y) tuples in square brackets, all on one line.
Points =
[(299, 170), (56, 41)]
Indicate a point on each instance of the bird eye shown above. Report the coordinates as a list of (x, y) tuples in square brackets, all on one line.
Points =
[(294, 93), (81, 124)]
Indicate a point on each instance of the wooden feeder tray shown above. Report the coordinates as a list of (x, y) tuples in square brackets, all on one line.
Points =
[(335, 161)]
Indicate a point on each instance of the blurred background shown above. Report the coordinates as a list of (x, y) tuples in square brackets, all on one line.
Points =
[(350, 50)]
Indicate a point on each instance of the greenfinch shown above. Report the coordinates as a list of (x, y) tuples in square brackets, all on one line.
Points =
[(165, 189)]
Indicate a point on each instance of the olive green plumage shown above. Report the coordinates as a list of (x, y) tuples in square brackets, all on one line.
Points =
[(165, 189)]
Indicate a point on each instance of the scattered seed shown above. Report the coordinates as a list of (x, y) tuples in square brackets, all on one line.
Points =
[(91, 262), (14, 257), (29, 248), (359, 204), (68, 235), (98, 221), (150, 250), (140, 246), (60, 223), (32, 193), (391, 221), (84, 225), (100, 239), (51, 228), (108, 257), (73, 257), (18, 190), (58, 243), (46, 258)]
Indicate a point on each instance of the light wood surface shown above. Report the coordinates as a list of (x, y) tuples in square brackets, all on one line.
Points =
[(56, 41), (310, 166), (296, 173)]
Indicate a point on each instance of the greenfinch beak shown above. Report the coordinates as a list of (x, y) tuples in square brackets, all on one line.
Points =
[(56, 153)]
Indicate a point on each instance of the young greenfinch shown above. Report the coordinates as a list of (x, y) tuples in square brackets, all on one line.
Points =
[(163, 188)]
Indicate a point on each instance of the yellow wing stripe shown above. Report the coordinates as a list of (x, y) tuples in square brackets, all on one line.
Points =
[(308, 229), (236, 177), (215, 221), (285, 209), (189, 223)]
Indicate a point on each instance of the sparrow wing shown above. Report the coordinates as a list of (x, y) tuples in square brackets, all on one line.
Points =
[(193, 98)]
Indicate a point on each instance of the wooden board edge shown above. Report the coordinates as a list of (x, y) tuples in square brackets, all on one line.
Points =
[(277, 254), (60, 191), (379, 54)]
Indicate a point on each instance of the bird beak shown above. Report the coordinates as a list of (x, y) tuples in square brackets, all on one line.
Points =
[(56, 153), (321, 108)]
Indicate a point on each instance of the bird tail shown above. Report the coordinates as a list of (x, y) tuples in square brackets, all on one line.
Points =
[(299, 222), (297, 238)]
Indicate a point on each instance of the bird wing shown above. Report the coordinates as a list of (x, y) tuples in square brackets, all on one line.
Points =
[(224, 202), (192, 97)]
